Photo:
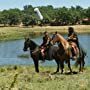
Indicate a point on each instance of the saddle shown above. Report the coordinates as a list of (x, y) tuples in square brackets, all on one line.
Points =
[(74, 50), (44, 51)]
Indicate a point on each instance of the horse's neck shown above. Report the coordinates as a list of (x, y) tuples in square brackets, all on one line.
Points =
[(63, 41), (33, 45)]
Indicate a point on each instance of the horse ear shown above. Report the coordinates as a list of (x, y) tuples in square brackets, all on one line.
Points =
[(26, 38)]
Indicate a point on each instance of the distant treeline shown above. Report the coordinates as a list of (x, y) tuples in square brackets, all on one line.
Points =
[(52, 16)]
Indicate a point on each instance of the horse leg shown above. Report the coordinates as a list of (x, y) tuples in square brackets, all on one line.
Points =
[(62, 67), (69, 66), (83, 61), (82, 64), (57, 66), (36, 65), (80, 69)]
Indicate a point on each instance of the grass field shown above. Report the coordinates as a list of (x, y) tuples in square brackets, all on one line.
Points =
[(24, 78), (13, 33)]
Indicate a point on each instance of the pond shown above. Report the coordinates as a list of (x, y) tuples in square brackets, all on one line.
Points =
[(10, 50)]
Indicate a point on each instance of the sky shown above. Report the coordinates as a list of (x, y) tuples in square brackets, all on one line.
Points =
[(7, 4)]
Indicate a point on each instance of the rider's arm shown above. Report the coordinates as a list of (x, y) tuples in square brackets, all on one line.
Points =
[(48, 39), (72, 37)]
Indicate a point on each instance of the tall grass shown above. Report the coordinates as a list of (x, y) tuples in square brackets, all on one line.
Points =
[(24, 78)]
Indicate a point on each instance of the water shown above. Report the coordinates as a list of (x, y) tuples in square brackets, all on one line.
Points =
[(10, 50)]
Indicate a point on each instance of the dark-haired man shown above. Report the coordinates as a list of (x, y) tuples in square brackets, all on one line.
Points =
[(73, 40)]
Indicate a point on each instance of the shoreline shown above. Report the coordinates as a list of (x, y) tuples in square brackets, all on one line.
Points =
[(14, 33)]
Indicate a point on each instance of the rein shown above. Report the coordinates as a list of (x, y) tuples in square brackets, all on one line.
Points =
[(35, 50)]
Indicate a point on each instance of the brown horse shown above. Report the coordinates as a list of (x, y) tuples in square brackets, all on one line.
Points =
[(52, 53), (65, 51)]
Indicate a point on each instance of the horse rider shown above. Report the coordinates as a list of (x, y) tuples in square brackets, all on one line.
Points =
[(73, 40), (44, 44)]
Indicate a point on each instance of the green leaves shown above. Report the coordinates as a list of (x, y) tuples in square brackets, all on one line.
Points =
[(57, 16)]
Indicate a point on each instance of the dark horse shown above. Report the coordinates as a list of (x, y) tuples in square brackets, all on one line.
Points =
[(65, 52), (35, 52)]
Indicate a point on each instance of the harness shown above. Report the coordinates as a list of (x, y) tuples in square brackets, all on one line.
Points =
[(68, 50), (35, 50), (77, 54)]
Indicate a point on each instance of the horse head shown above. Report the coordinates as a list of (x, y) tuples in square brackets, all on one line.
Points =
[(29, 44), (26, 44), (54, 39), (61, 39)]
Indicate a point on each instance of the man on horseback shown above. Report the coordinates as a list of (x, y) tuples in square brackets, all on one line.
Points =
[(73, 40), (44, 44)]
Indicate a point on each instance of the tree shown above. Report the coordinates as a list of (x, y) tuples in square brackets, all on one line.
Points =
[(28, 9), (62, 15), (4, 17), (88, 12), (14, 16), (28, 20), (57, 16)]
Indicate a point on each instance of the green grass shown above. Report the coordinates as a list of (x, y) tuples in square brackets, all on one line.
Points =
[(25, 78), (14, 33)]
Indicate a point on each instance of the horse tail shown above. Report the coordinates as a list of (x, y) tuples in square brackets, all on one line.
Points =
[(82, 54)]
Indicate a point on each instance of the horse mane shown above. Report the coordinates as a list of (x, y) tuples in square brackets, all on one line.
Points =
[(63, 41), (33, 43)]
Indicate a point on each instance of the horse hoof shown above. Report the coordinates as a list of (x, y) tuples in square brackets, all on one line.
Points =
[(61, 72), (37, 71), (54, 73), (80, 71)]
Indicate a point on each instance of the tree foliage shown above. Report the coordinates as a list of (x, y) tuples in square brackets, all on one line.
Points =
[(52, 16)]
